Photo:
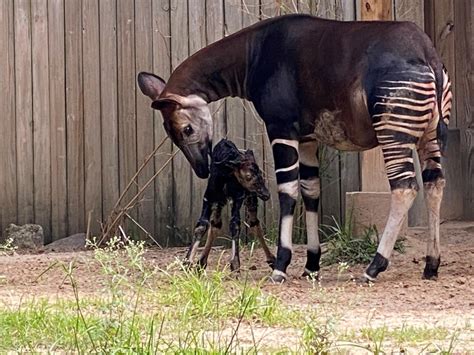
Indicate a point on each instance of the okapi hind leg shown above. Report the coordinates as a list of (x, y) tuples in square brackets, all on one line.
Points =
[(235, 233), (404, 188), (403, 107), (433, 185)]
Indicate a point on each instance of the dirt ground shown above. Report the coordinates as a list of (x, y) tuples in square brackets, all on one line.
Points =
[(399, 296)]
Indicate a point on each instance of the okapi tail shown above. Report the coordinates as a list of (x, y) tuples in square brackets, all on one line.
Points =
[(444, 108)]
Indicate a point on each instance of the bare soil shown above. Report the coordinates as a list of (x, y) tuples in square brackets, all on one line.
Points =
[(399, 296)]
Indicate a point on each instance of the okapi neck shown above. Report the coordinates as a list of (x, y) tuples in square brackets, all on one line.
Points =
[(214, 72)]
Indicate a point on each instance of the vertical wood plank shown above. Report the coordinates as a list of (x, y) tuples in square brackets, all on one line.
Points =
[(269, 8), (164, 205), (24, 110), (109, 104), (444, 41), (234, 106), (376, 10), (373, 174), (463, 80), (8, 161), (197, 40), (214, 32), (75, 116), (126, 96), (92, 114), (410, 10), (181, 167), (57, 106), (41, 117), (145, 124)]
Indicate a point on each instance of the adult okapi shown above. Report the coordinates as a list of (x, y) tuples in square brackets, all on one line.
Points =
[(349, 85)]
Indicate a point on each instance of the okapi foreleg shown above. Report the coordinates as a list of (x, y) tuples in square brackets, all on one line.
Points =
[(285, 154), (310, 190), (251, 204)]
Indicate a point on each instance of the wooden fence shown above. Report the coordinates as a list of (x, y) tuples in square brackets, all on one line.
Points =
[(75, 128)]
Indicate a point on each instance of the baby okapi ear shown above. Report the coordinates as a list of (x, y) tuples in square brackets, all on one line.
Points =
[(151, 85), (249, 153)]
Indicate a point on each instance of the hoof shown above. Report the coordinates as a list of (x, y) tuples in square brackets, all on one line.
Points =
[(364, 280), (431, 268), (430, 277), (277, 277), (234, 266), (379, 264), (312, 275)]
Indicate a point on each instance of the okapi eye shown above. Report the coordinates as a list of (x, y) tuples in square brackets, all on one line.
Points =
[(188, 130)]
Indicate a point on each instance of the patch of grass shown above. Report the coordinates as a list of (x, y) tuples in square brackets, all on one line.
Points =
[(344, 247), (142, 309), (7, 247)]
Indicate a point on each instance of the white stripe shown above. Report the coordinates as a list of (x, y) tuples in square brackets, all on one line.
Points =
[(286, 231), (290, 188), (295, 165), (290, 142)]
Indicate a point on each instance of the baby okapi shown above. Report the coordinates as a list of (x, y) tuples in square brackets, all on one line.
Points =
[(235, 176)]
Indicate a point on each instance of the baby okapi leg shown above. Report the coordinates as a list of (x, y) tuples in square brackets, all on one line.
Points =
[(251, 203), (216, 226), (310, 190), (200, 229), (235, 233), (285, 154)]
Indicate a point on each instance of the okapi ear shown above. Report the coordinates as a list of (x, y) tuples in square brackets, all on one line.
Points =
[(151, 85)]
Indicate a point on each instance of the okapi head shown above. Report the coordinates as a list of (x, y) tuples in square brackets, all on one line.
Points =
[(227, 159), (187, 121)]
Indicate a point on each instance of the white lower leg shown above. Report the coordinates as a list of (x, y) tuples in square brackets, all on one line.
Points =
[(402, 199), (312, 230), (433, 198)]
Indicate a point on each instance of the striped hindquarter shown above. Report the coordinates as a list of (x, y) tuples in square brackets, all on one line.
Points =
[(406, 116)]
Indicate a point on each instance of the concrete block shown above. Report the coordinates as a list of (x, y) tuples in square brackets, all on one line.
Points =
[(368, 209)]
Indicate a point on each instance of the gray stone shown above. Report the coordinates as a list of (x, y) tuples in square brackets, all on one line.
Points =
[(75, 242), (25, 237)]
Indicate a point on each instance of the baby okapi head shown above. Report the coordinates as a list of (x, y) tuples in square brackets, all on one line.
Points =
[(242, 165)]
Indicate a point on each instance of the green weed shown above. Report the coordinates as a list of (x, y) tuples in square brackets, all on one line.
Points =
[(344, 247)]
